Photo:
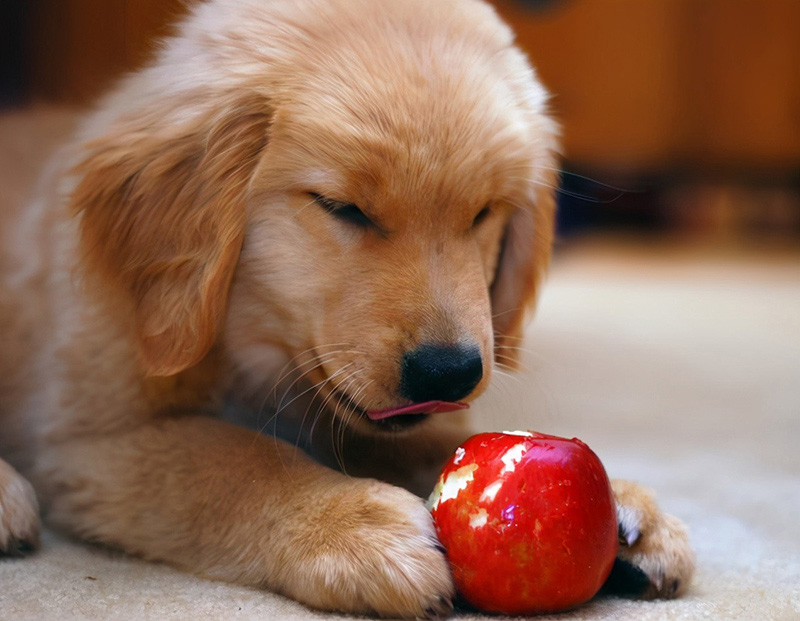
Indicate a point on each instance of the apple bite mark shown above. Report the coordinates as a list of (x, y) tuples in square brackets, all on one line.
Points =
[(449, 487), (491, 491), (476, 520), (512, 457)]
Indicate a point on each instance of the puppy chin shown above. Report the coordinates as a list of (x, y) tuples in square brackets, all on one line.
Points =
[(400, 424)]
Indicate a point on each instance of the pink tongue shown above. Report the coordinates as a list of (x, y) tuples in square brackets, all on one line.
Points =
[(428, 407)]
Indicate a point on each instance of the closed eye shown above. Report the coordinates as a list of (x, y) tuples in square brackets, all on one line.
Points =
[(346, 212), (482, 215)]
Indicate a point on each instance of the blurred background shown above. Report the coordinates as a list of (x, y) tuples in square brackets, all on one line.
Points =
[(689, 110)]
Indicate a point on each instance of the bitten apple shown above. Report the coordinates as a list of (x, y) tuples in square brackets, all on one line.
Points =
[(528, 521)]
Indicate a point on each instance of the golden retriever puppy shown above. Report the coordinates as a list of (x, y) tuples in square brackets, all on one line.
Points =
[(351, 199)]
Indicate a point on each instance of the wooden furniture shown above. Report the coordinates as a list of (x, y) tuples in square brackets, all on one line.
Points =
[(77, 47), (660, 84), (640, 86)]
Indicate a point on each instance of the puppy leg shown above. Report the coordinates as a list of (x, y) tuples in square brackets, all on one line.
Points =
[(19, 514), (655, 558), (234, 505)]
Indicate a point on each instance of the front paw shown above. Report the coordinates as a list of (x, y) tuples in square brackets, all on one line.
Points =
[(375, 551), (19, 514), (655, 558)]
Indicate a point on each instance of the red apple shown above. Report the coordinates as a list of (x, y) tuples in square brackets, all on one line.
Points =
[(528, 521)]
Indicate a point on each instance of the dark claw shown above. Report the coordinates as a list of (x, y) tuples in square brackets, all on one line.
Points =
[(437, 544), (626, 579), (17, 548), (442, 609)]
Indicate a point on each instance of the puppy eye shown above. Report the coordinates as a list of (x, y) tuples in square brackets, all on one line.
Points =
[(346, 212), (482, 214)]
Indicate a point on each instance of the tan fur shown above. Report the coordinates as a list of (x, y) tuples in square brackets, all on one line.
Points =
[(172, 243), (19, 512), (175, 268), (658, 543)]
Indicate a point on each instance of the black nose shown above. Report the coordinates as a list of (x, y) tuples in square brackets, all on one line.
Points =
[(440, 372)]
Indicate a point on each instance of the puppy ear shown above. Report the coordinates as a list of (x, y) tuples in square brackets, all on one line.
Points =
[(524, 258), (162, 214)]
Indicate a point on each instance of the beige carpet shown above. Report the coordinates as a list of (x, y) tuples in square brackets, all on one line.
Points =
[(679, 366)]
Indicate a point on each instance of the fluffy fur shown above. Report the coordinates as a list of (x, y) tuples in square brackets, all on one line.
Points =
[(176, 269)]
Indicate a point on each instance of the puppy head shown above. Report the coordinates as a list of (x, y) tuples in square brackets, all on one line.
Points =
[(401, 218), (376, 203)]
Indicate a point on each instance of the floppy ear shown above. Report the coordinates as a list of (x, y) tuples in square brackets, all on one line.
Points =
[(524, 258), (162, 213)]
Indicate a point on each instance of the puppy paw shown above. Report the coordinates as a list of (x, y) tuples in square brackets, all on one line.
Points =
[(655, 559), (19, 514), (377, 553)]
